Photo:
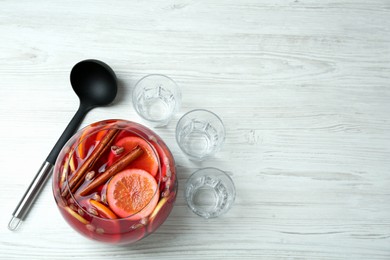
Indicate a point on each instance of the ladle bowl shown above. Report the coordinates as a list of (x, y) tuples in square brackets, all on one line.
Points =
[(93, 82)]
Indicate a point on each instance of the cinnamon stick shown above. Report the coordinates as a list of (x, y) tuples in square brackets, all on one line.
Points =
[(113, 169), (75, 182)]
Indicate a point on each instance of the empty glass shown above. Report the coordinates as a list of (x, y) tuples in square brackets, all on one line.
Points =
[(210, 192), (156, 98), (200, 134)]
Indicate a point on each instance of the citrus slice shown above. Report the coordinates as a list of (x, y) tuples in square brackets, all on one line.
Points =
[(103, 210), (76, 215), (132, 193), (147, 161), (87, 139), (161, 212), (100, 135), (82, 147)]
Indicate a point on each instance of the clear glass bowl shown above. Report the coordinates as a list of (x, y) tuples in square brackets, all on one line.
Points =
[(96, 159)]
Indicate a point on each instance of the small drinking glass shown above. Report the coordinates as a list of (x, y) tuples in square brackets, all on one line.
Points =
[(210, 192), (200, 134), (156, 98)]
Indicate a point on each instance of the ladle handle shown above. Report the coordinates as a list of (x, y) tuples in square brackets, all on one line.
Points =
[(30, 196), (68, 132), (45, 171)]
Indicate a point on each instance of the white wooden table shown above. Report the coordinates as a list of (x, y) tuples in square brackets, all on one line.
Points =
[(302, 86)]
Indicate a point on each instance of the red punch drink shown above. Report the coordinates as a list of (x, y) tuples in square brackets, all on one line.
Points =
[(115, 181)]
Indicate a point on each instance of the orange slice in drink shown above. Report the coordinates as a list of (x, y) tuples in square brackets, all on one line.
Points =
[(103, 210), (76, 215), (87, 139), (132, 194), (147, 161), (100, 135), (82, 147)]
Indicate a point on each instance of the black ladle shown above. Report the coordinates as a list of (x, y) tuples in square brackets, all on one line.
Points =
[(95, 84)]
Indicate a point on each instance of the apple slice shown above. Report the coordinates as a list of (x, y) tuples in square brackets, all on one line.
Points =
[(161, 212), (72, 163)]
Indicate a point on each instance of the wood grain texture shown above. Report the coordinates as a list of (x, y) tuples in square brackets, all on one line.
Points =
[(302, 87)]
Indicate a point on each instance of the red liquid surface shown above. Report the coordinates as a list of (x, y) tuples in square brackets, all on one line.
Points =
[(104, 225)]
